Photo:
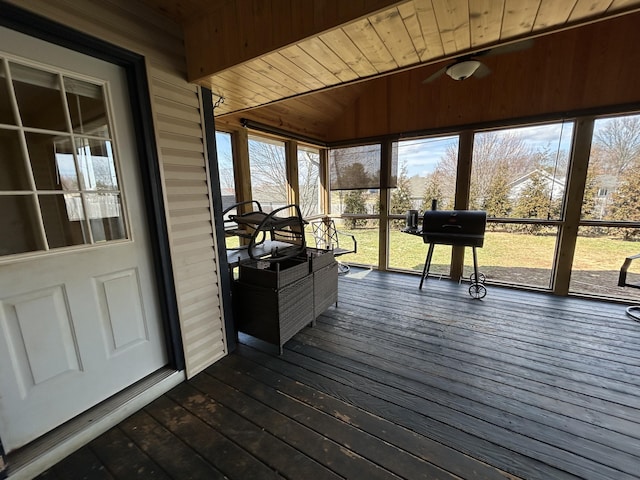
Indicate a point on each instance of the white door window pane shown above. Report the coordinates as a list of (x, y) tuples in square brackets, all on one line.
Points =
[(6, 110), (39, 98), (52, 161), (13, 172), (96, 164), (18, 230), (75, 156), (105, 216), (63, 217), (86, 107)]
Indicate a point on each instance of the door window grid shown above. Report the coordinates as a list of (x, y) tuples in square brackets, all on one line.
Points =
[(64, 169)]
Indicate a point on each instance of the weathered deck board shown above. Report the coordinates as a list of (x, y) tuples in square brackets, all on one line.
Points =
[(398, 382)]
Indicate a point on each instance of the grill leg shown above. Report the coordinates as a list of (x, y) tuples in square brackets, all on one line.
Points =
[(427, 264), (475, 264)]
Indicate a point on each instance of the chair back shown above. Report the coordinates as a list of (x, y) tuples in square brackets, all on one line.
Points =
[(325, 234)]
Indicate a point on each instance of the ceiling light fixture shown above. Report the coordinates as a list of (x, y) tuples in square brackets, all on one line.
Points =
[(462, 70)]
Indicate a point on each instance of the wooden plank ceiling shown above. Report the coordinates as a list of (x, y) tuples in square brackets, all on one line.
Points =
[(245, 50)]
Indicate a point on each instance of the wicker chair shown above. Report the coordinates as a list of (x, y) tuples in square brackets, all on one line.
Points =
[(327, 237)]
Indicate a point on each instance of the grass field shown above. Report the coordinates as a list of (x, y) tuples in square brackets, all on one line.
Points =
[(500, 249), (513, 258)]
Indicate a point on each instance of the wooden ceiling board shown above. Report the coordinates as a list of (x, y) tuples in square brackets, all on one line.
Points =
[(621, 5), (266, 69), (519, 17), (587, 8), (392, 31), (333, 103), (280, 62), (248, 29), (262, 79), (235, 84), (310, 65), (412, 24), (430, 32), (552, 13), (558, 74), (231, 85), (339, 42), (182, 10), (365, 36), (485, 21), (453, 23), (316, 48), (270, 51)]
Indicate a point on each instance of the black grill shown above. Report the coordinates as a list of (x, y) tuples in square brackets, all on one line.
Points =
[(463, 228)]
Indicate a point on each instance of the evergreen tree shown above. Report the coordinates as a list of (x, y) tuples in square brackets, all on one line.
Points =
[(401, 195), (534, 202), (355, 203), (497, 203), (625, 205), (433, 191)]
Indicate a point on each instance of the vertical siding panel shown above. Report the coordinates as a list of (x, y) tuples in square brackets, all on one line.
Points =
[(179, 130)]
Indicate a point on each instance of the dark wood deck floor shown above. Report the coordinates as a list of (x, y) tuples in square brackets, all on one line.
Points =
[(402, 383)]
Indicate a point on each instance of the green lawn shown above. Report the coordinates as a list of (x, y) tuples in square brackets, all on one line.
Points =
[(501, 249), (514, 258)]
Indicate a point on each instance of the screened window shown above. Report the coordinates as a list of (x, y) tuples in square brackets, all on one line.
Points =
[(610, 210), (268, 166), (521, 172), (225, 169), (58, 172), (428, 168), (426, 172), (612, 191), (309, 180), (355, 168)]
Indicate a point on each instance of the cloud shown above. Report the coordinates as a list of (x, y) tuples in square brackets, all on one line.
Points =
[(423, 155)]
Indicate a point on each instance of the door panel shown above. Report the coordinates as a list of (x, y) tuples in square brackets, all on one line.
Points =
[(39, 350), (80, 322)]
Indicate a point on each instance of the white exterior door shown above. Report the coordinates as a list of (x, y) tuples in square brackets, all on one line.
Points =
[(79, 317)]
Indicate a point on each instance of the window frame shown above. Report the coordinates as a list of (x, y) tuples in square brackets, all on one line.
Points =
[(33, 192)]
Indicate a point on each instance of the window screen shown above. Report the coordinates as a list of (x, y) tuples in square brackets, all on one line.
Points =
[(359, 167)]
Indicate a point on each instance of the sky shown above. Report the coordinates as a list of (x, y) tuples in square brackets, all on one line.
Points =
[(422, 155)]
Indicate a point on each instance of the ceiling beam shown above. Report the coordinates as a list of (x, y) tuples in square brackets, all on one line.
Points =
[(239, 31)]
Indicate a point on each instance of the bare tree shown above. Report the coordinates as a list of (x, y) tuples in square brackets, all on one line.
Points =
[(617, 144), (268, 173), (504, 152), (309, 182), (615, 156)]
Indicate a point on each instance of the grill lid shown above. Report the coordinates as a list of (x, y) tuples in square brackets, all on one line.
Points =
[(454, 227)]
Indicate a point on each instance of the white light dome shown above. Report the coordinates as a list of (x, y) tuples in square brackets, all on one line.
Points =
[(462, 70)]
